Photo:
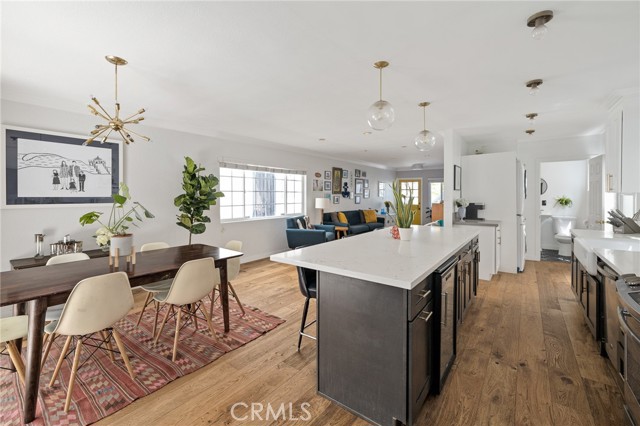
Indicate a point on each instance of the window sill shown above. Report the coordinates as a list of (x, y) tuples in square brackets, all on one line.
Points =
[(257, 219)]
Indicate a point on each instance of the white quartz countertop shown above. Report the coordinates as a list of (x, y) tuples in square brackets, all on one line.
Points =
[(375, 256), (471, 222), (592, 233), (621, 261)]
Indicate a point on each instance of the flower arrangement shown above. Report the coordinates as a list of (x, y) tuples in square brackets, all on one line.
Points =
[(563, 201), (119, 218), (402, 207), (461, 202)]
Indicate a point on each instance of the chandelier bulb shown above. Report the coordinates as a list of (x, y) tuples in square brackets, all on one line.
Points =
[(540, 30)]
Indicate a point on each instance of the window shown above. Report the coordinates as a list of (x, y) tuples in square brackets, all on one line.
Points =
[(260, 192), (436, 192)]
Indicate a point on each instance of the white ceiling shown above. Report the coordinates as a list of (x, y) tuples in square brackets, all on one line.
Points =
[(293, 72)]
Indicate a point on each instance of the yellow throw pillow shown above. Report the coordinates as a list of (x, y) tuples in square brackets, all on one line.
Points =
[(370, 216), (342, 218)]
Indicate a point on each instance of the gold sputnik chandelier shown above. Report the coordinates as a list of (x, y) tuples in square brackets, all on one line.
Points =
[(115, 123)]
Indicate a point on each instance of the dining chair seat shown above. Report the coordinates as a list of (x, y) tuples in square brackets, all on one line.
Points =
[(159, 286), (155, 287), (12, 328)]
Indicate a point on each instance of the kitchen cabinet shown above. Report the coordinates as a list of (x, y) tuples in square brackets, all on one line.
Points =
[(622, 146), (490, 246), (587, 290), (466, 279)]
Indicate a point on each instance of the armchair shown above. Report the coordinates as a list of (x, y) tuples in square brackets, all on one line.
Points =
[(307, 237)]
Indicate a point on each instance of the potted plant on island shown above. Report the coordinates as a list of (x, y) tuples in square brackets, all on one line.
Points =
[(114, 234), (403, 211), (199, 195), (563, 201), (461, 204)]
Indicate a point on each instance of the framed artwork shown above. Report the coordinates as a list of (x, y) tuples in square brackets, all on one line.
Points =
[(327, 185), (366, 183), (317, 185), (366, 193), (336, 199), (336, 183), (358, 199), (356, 173), (381, 189), (359, 186), (457, 178), (345, 174), (364, 174), (327, 175), (46, 168)]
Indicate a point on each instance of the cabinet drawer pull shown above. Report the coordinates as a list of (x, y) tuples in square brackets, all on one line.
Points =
[(423, 294), (427, 318)]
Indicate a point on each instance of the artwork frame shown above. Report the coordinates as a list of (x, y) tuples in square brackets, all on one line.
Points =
[(327, 175), (327, 185), (358, 199), (356, 173), (364, 174), (457, 178), (359, 186), (381, 189), (317, 185), (345, 174), (336, 182), (366, 193), (366, 183), (29, 159), (336, 199)]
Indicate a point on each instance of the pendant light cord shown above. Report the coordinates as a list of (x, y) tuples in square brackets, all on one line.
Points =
[(424, 117), (116, 83), (380, 83)]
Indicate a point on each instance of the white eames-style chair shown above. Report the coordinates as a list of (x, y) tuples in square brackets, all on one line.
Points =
[(233, 269), (153, 288), (193, 282), (94, 306), (53, 312), (11, 329)]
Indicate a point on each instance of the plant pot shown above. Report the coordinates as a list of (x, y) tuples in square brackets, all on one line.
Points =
[(123, 243), (405, 233), (462, 212)]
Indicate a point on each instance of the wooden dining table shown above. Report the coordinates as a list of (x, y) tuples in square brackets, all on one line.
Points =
[(37, 288)]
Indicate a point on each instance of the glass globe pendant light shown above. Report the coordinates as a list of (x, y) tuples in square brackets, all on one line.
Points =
[(426, 139), (380, 115)]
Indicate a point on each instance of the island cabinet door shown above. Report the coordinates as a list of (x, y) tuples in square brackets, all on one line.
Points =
[(420, 364)]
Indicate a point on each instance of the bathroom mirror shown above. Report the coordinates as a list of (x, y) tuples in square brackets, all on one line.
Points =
[(543, 186)]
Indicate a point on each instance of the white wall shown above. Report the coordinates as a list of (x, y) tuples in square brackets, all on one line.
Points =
[(564, 178), (454, 147), (153, 173), (491, 179), (427, 177)]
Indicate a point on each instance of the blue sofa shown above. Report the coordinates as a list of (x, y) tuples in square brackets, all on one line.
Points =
[(307, 237), (356, 223)]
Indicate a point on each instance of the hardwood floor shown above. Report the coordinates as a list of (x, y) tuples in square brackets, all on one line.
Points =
[(525, 357)]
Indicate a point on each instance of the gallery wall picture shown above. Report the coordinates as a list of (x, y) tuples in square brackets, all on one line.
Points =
[(345, 174), (327, 185), (317, 185), (366, 183), (327, 175), (364, 174), (336, 199), (358, 199), (356, 173), (366, 193), (336, 182), (381, 189), (359, 186), (46, 168)]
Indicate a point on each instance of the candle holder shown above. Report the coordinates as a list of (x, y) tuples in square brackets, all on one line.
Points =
[(39, 239)]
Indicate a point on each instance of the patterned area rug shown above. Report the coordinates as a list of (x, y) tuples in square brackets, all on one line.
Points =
[(104, 387)]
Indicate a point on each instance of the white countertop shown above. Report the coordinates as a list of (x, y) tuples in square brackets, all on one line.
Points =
[(623, 262), (592, 233), (375, 256), (472, 222)]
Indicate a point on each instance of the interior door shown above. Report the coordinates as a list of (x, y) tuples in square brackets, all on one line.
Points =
[(413, 186), (596, 191)]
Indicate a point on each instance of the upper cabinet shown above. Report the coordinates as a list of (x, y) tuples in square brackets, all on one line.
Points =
[(622, 146)]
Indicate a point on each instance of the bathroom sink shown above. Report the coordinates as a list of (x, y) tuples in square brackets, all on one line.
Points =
[(583, 249)]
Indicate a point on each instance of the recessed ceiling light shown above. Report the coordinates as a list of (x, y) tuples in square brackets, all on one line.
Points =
[(404, 146), (529, 131), (366, 133), (321, 140), (537, 21), (531, 116), (534, 85)]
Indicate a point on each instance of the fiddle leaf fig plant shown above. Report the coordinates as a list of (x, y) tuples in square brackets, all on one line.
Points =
[(199, 195)]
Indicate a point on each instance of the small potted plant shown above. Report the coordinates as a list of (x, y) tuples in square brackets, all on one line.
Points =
[(114, 233), (402, 208), (462, 204), (563, 201)]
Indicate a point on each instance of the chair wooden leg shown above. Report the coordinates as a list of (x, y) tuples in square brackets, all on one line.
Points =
[(208, 318), (175, 339), (146, 302), (193, 315), (164, 321), (74, 370), (65, 348), (16, 359), (213, 300), (235, 296), (303, 322), (49, 339), (123, 353), (155, 321), (107, 342)]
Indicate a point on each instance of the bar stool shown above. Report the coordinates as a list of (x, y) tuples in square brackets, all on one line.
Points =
[(307, 281)]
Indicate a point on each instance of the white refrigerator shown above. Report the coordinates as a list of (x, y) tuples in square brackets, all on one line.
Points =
[(521, 195)]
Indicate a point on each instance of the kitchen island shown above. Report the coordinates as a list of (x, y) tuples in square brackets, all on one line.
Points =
[(387, 312)]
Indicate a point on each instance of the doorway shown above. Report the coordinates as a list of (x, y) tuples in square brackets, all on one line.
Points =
[(413, 186)]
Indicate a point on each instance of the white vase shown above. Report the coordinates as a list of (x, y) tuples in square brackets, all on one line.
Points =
[(462, 212), (121, 242), (405, 233)]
